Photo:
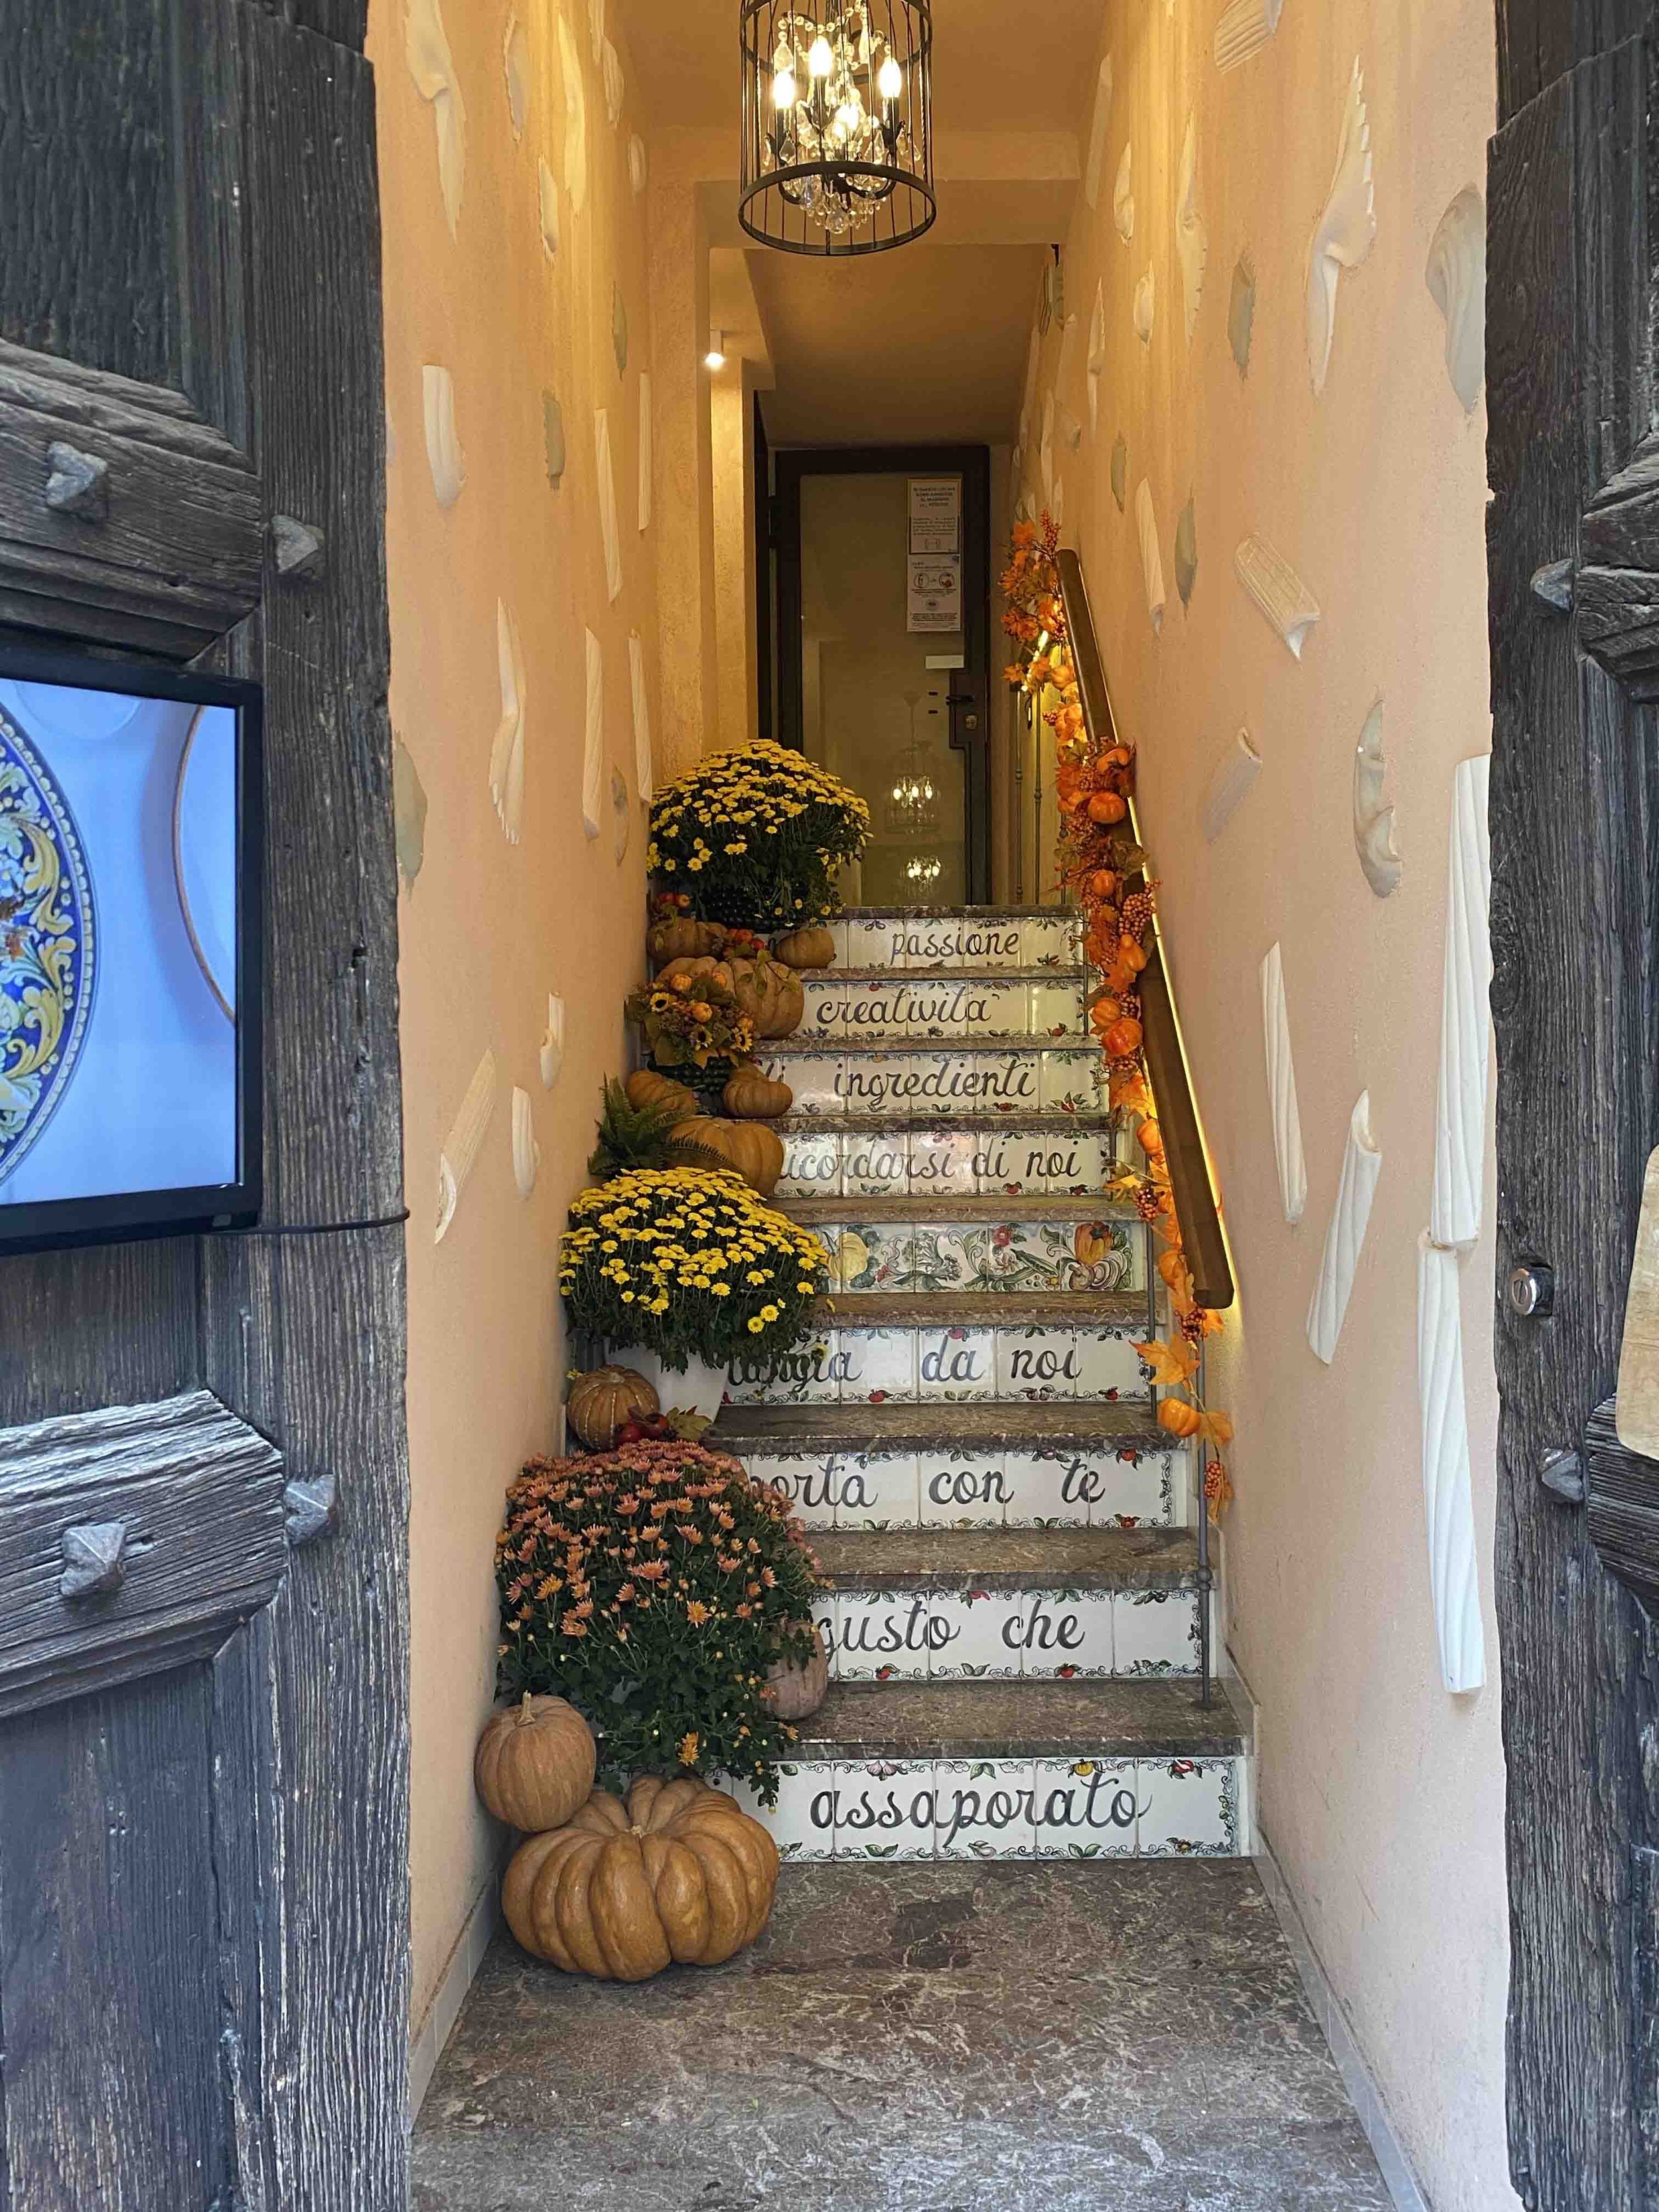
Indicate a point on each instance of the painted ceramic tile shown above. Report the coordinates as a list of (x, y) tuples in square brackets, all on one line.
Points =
[(976, 1082), (999, 1166), (809, 1484), (825, 1621), (1189, 1808), (1083, 1808), (1157, 1632), (1073, 1082), (1035, 1363), (1044, 1491), (875, 1165), (982, 1808), (806, 1376), (884, 1809), (1063, 1634), (876, 1490), (1076, 1166), (971, 1007), (802, 1823), (1108, 1364), (1057, 944), (874, 1082), (941, 1162), (877, 1365), (825, 1005), (815, 1080), (975, 1635), (875, 1259), (956, 1364), (928, 944), (1055, 1009), (989, 944), (812, 1167), (1126, 1490), (881, 1636), (962, 1489), (869, 944)]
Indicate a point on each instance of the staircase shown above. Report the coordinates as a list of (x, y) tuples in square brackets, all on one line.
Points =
[(1018, 1634)]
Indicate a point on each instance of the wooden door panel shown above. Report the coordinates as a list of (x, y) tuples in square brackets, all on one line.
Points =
[(107, 1885)]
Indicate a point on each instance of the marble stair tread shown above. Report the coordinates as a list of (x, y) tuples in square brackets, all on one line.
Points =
[(1007, 1559), (932, 1425), (1028, 1718), (969, 1205), (988, 1309)]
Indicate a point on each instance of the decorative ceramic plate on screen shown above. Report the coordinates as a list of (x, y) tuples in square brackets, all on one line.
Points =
[(46, 939)]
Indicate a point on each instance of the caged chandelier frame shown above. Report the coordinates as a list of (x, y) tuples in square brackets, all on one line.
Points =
[(837, 124)]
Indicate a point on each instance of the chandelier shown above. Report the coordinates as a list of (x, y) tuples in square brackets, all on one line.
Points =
[(912, 809), (837, 124), (925, 869)]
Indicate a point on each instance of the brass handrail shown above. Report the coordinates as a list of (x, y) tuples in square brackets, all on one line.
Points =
[(1196, 1213)]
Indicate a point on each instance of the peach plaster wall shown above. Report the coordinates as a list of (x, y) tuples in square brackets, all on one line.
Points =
[(1381, 1795), (490, 928)]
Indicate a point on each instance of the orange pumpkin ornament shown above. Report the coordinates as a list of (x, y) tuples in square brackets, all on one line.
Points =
[(1106, 806), (1103, 883), (1130, 953), (1150, 1137), (1177, 1417), (1117, 755), (1122, 1039)]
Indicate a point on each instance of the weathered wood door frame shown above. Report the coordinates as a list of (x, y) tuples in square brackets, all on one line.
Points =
[(1574, 612), (256, 399)]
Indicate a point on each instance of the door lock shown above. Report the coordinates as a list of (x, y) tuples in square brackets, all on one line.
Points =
[(1532, 1290)]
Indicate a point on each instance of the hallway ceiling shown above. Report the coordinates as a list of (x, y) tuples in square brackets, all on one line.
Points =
[(928, 341)]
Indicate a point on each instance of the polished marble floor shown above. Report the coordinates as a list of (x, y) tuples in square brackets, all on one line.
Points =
[(924, 2038)]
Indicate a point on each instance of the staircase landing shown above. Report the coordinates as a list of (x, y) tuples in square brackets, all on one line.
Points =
[(1043, 2039)]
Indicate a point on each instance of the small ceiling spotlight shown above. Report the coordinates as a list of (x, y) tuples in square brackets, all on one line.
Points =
[(715, 356)]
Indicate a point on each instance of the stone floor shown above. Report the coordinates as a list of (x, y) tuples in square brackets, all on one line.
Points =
[(930, 2037)]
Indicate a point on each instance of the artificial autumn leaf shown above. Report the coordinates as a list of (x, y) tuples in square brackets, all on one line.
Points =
[(1130, 1091), (1205, 1319), (1173, 1364), (1124, 1184), (1216, 1428)]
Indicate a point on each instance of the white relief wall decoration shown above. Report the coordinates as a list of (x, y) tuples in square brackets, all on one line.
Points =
[(506, 753), (515, 67), (526, 1153), (1456, 278), (640, 698), (1123, 197), (1244, 28), (1144, 306), (1240, 312), (1192, 238), (1230, 779), (611, 70), (609, 534), (443, 444), (1448, 1502), (1284, 601), (619, 816), (547, 209), (643, 451), (408, 813), (553, 438), (638, 167), (1097, 129), (1373, 816), (550, 1053), (1046, 451), (1186, 552), (1362, 1163), (461, 1146), (575, 119), (426, 50), (1152, 564), (593, 735), (1120, 471), (1284, 1117), (1460, 1132), (1345, 231), (596, 29), (1094, 360)]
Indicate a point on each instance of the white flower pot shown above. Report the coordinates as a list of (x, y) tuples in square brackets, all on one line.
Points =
[(699, 1388)]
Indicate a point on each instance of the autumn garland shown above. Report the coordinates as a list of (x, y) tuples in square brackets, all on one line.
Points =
[(1095, 858)]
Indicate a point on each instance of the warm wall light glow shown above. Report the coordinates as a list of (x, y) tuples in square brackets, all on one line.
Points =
[(715, 356)]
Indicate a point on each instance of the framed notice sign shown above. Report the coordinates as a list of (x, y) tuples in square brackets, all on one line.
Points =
[(935, 515), (934, 597)]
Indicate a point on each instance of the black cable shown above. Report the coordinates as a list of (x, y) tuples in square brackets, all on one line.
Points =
[(316, 1228)]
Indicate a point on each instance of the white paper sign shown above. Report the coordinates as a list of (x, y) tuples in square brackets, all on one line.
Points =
[(934, 596)]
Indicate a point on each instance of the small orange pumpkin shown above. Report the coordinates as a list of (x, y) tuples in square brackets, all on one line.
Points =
[(602, 1402), (695, 967), (679, 936), (749, 1096), (1117, 756), (1106, 806), (1103, 883), (534, 1764), (755, 1151), (1180, 1419), (1122, 1039), (1130, 953)]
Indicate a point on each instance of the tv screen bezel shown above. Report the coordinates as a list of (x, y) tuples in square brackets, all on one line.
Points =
[(121, 1216)]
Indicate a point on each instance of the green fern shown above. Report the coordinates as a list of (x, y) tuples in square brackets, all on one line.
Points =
[(633, 1136)]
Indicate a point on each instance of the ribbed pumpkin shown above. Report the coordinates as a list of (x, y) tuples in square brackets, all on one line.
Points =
[(751, 1096), (670, 939), (813, 947), (679, 1872), (755, 1151), (796, 1688), (1180, 1419), (694, 966), (645, 1087), (771, 993), (602, 1401), (534, 1764)]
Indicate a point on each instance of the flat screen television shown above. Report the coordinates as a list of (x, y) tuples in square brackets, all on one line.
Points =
[(130, 847)]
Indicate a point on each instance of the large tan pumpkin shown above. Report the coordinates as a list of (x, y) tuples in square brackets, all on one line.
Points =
[(749, 1096), (679, 1872), (534, 1764), (695, 969), (755, 1151), (645, 1087), (771, 993), (811, 947), (604, 1400), (796, 1688), (680, 934)]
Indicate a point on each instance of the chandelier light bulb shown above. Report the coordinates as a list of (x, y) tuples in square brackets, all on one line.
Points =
[(890, 82), (715, 356), (820, 59), (783, 88)]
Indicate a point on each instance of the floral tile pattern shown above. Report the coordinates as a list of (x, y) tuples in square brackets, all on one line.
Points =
[(1057, 1635), (976, 1635), (1190, 1808), (1086, 1809), (1157, 1633), (883, 1810), (982, 1809), (943, 1162)]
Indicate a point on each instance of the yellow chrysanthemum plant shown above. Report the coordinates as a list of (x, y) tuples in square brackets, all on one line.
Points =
[(756, 837), (691, 1264)]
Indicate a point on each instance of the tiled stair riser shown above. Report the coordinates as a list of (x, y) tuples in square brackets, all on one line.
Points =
[(889, 1636), (1105, 1255), (965, 1078), (1015, 1808), (952, 941), (943, 1163), (904, 1366), (967, 1489), (840, 1008)]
